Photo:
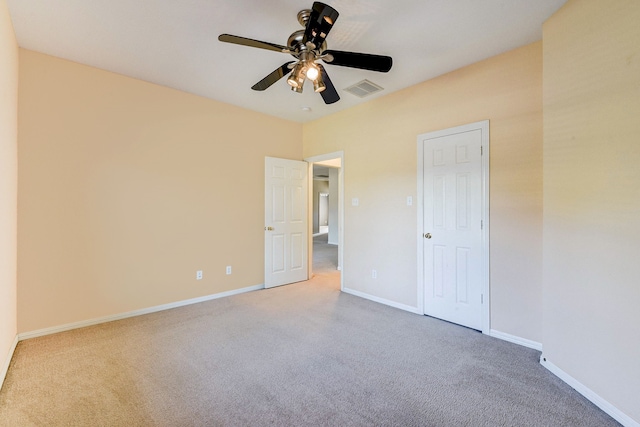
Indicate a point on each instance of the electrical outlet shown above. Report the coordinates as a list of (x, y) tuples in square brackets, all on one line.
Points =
[(374, 274), (199, 275), (228, 269)]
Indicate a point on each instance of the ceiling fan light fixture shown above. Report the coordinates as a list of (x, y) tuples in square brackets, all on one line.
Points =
[(300, 78), (296, 79), (312, 72), (318, 84), (296, 89)]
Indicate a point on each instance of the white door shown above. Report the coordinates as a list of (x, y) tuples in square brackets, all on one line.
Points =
[(285, 241), (452, 234)]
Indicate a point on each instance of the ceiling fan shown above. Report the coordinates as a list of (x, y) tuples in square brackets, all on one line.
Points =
[(308, 47)]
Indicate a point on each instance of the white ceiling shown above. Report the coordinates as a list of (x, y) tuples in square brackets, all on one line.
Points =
[(174, 42)]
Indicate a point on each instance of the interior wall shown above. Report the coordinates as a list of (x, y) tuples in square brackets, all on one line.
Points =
[(334, 219), (8, 184), (127, 188), (592, 197), (379, 143), (319, 186), (323, 210)]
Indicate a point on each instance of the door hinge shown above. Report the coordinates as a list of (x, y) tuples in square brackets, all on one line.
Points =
[(481, 298), (481, 151), (481, 225)]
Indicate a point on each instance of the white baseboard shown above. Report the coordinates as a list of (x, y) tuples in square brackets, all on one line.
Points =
[(382, 301), (601, 403), (516, 340), (4, 368), (96, 321)]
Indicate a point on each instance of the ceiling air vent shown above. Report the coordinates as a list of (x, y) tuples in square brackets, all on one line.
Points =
[(363, 89)]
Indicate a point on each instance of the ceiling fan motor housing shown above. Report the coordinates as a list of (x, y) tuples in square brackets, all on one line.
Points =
[(296, 42), (303, 17)]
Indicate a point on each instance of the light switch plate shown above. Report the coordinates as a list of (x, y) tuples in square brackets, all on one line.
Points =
[(355, 202)]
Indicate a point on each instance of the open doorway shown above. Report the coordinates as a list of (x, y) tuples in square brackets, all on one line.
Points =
[(326, 219)]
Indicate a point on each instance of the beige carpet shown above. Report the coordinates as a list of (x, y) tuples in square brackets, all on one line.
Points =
[(303, 354), (325, 256)]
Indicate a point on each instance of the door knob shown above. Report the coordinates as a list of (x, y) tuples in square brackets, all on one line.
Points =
[(427, 235), (269, 228)]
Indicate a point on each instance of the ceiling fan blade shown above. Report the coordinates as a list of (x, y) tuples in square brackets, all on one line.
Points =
[(363, 61), (228, 38), (320, 23), (329, 94), (276, 75)]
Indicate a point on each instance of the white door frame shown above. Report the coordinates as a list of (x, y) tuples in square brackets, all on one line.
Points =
[(320, 158), (483, 126)]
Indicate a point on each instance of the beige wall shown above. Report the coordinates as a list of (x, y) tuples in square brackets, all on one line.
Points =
[(127, 188), (592, 197), (8, 183), (379, 142)]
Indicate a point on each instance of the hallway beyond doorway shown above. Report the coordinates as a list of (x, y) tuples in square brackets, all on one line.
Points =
[(325, 258)]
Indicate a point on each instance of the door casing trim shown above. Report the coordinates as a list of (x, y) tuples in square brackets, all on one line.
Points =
[(320, 158)]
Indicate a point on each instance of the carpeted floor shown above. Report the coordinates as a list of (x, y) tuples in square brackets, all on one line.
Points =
[(325, 256), (297, 355)]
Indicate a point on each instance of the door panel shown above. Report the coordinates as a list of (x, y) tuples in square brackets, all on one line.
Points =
[(297, 243), (452, 185), (462, 275), (285, 221), (278, 207), (278, 254), (298, 202), (438, 271)]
